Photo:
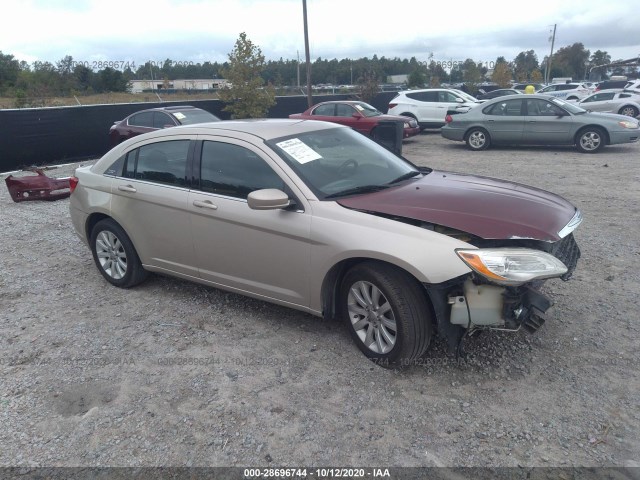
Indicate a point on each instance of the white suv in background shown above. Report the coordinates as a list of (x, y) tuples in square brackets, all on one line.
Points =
[(429, 106), (567, 91), (633, 87)]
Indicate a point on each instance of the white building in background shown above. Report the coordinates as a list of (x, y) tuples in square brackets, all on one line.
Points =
[(139, 86), (397, 79)]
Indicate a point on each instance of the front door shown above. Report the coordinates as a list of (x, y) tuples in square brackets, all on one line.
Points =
[(263, 252)]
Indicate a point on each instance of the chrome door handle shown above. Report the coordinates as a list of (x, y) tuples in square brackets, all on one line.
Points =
[(126, 188), (204, 204)]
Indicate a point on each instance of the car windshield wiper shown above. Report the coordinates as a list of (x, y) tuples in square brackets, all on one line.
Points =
[(360, 189), (406, 176)]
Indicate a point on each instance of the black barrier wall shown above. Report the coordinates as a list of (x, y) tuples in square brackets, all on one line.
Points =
[(55, 135)]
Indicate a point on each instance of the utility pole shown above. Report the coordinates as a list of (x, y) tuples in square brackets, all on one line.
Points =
[(306, 51), (298, 51), (553, 39)]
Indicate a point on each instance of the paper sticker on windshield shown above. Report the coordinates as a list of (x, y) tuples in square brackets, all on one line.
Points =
[(359, 107), (300, 151), (179, 115)]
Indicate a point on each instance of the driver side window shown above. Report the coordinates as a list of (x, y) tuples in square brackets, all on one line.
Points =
[(542, 108), (234, 171)]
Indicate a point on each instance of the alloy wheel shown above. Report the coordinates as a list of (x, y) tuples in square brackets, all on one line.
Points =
[(111, 255), (372, 317)]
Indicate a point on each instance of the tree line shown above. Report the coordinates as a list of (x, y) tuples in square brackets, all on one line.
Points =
[(68, 77)]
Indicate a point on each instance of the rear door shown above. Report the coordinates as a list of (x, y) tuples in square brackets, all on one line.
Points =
[(599, 102), (546, 124), (505, 121), (139, 123), (150, 201), (426, 106)]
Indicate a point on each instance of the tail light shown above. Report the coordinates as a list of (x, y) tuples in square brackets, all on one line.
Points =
[(73, 183), (447, 119), (392, 105)]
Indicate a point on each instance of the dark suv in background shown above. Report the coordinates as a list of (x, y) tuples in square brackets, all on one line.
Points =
[(156, 118)]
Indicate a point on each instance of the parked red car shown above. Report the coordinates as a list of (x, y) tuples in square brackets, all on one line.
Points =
[(156, 118), (358, 115)]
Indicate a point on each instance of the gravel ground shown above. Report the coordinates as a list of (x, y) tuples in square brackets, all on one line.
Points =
[(176, 374)]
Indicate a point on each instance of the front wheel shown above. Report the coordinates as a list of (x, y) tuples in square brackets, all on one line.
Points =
[(478, 139), (590, 140), (629, 111), (115, 256), (387, 313)]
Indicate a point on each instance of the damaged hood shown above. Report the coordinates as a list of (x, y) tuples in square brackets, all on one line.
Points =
[(485, 207)]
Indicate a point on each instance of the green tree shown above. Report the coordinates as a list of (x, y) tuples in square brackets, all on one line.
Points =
[(416, 79), (524, 64), (471, 74), (570, 61), (9, 70), (368, 86), (247, 97), (501, 74)]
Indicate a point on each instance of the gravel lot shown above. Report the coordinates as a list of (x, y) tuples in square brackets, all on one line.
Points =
[(176, 374)]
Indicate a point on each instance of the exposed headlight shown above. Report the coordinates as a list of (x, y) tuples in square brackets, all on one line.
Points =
[(512, 266), (572, 225), (629, 124)]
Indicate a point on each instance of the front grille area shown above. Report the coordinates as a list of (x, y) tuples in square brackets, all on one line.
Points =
[(568, 252)]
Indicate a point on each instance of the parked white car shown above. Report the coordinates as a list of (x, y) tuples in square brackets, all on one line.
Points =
[(567, 91), (429, 106), (612, 101), (633, 87)]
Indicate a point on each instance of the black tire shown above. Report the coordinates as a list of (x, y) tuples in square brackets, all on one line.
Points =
[(405, 309), (590, 140), (478, 139), (629, 111), (115, 256)]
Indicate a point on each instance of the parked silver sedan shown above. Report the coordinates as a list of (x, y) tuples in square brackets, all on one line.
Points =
[(315, 216), (539, 120), (612, 101)]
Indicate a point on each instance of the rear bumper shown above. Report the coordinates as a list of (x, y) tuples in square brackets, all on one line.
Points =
[(453, 133), (410, 132)]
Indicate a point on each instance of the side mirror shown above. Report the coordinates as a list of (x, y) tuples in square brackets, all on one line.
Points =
[(459, 100), (268, 199), (356, 115)]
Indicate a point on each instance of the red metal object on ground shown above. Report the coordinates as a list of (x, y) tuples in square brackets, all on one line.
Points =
[(37, 187)]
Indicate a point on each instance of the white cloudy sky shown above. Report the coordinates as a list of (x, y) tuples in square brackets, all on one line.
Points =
[(201, 30)]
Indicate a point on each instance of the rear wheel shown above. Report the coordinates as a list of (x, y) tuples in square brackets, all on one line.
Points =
[(387, 313), (478, 139), (590, 140), (629, 111), (115, 256)]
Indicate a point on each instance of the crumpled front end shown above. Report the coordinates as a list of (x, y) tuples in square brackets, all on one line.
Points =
[(498, 299)]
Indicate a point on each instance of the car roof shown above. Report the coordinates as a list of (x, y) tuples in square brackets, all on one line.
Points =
[(265, 129), (350, 102)]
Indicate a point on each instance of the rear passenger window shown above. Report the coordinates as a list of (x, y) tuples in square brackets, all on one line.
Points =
[(234, 171), (508, 108), (162, 162), (325, 110), (144, 119), (424, 96)]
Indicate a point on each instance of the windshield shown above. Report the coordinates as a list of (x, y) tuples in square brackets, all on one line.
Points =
[(340, 162), (568, 106), (189, 117), (366, 109)]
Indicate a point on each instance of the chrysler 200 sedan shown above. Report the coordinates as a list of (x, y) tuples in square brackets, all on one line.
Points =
[(539, 120), (314, 216)]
